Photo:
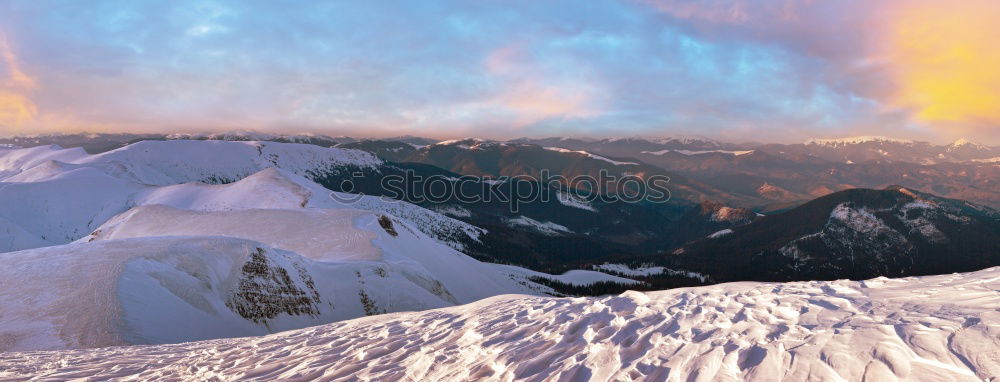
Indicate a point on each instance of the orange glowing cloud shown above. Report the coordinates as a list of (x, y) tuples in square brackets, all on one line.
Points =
[(946, 62), (534, 102), (532, 95), (16, 109), (17, 76)]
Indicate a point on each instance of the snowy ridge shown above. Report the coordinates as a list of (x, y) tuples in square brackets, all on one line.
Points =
[(171, 162), (720, 233), (699, 152), (593, 156), (547, 228), (962, 142), (445, 229), (87, 190), (855, 140), (250, 135), (919, 329), (277, 188), (684, 140)]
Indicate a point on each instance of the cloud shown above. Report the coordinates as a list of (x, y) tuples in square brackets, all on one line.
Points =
[(945, 59), (530, 93), (16, 109), (761, 69), (934, 61)]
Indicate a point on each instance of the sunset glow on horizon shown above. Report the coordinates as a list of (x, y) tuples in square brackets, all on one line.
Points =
[(735, 69)]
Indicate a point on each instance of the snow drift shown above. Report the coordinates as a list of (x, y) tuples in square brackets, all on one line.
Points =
[(934, 328)]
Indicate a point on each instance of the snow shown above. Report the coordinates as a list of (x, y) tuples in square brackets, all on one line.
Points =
[(547, 228), (158, 274), (303, 231), (454, 211), (725, 213), (452, 142), (648, 270), (278, 188), (962, 142), (55, 195), (684, 140), (858, 219), (593, 156), (582, 277), (929, 328), (699, 152), (13, 162), (13, 237), (987, 160), (629, 271), (721, 233), (569, 199), (172, 162), (67, 206), (855, 140), (578, 277), (248, 135), (447, 230)]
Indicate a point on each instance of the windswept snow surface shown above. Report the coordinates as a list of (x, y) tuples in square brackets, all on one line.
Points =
[(934, 328)]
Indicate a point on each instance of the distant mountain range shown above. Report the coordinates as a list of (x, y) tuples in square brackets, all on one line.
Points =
[(180, 238), (857, 234), (569, 232), (764, 177)]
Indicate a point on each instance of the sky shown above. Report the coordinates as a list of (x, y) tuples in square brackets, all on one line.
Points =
[(739, 70)]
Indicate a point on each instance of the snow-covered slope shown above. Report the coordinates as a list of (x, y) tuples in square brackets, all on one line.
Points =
[(66, 205), (935, 328), (153, 290), (172, 162), (13, 237), (157, 274), (278, 188), (54, 196)]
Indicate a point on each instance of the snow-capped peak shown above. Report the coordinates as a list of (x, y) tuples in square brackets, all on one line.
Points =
[(590, 155), (452, 142), (962, 142), (678, 139), (855, 140), (468, 143)]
